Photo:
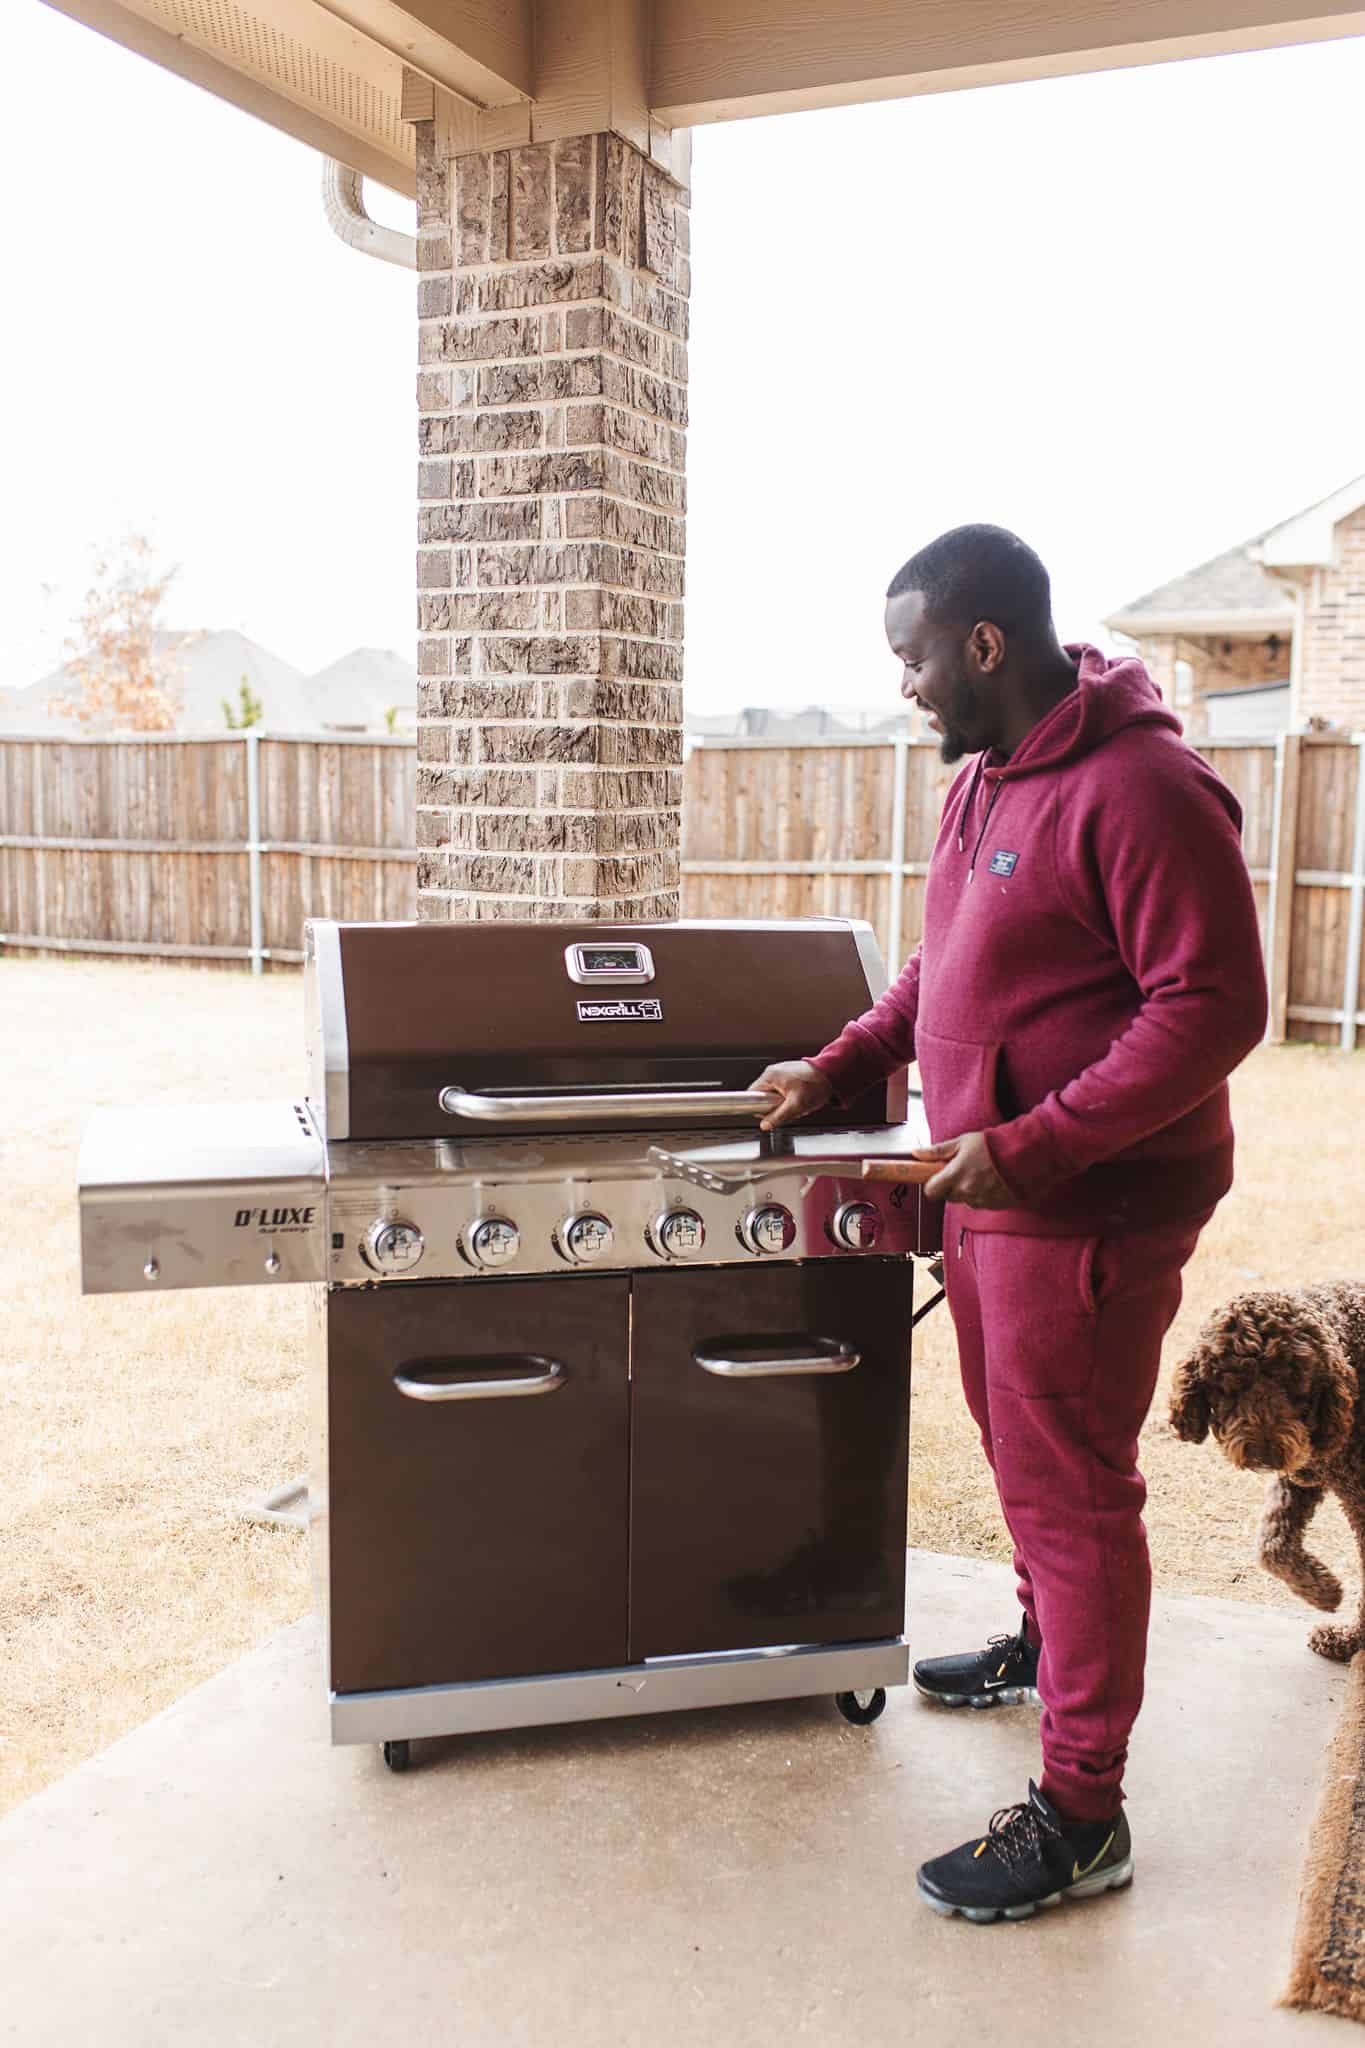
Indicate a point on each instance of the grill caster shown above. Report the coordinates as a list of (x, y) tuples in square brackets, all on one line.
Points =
[(861, 1708), (397, 1755)]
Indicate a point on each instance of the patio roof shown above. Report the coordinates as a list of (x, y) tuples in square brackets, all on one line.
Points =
[(345, 75)]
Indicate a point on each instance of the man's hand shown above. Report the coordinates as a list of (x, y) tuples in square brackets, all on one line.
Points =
[(798, 1088), (968, 1174)]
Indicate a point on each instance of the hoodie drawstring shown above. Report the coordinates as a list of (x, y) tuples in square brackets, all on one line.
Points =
[(966, 812), (971, 799)]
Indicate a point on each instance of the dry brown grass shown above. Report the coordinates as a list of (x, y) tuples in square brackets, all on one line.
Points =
[(131, 1428)]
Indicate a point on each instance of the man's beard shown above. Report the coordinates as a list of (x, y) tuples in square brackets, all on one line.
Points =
[(955, 744)]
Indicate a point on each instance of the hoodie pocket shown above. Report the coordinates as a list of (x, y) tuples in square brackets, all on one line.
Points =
[(961, 1082)]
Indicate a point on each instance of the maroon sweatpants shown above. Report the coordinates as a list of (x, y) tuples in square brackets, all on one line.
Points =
[(1060, 1341)]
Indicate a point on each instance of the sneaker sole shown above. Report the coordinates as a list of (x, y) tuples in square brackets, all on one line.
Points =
[(1116, 1880), (1005, 1696)]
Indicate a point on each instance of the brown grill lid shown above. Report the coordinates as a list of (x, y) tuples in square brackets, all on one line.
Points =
[(401, 1013)]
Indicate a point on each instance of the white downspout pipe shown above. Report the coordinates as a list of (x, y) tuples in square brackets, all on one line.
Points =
[(343, 202)]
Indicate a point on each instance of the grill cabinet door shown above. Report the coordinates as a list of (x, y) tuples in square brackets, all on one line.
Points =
[(482, 1536), (768, 1507)]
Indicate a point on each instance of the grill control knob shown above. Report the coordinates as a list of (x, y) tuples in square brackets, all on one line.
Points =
[(493, 1241), (585, 1238), (856, 1226), (392, 1247), (678, 1234), (767, 1229)]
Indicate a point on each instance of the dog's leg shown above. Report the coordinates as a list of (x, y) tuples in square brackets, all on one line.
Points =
[(1342, 1643), (1287, 1512), (1337, 1642)]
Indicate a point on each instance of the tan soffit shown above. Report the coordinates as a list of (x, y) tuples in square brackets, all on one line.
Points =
[(291, 62), (718, 60)]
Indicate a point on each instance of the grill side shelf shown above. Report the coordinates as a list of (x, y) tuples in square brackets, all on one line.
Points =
[(214, 1196)]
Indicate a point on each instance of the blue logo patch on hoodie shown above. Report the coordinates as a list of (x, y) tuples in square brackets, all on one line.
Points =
[(1003, 863)]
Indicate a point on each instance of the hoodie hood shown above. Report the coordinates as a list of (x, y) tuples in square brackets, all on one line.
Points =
[(1109, 697)]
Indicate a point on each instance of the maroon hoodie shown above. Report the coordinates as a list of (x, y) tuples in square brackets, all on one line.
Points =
[(1090, 972)]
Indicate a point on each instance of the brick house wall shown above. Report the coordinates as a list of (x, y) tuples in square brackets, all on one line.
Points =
[(1217, 662), (1332, 656)]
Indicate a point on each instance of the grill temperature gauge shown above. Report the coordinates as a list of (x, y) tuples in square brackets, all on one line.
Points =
[(678, 1234), (770, 1228), (493, 1241), (392, 1247), (584, 1238), (856, 1226)]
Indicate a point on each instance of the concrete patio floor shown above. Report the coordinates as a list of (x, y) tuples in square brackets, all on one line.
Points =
[(733, 1877)]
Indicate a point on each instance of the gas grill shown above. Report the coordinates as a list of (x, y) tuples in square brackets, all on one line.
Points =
[(610, 1391)]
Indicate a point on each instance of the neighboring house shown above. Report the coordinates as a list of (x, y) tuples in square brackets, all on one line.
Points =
[(354, 694), (778, 725), (1269, 637)]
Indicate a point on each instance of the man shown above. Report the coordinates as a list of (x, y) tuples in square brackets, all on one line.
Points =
[(1090, 974)]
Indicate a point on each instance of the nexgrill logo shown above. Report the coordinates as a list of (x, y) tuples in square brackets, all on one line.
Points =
[(274, 1219), (623, 1010)]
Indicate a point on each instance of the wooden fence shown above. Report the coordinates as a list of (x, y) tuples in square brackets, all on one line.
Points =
[(202, 849), (217, 849)]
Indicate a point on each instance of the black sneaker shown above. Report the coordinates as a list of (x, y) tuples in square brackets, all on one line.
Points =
[(1029, 1857), (1004, 1674)]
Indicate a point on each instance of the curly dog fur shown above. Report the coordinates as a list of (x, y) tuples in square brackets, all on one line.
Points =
[(1276, 1377)]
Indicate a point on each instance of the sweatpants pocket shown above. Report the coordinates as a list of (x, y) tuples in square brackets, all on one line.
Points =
[(1038, 1312)]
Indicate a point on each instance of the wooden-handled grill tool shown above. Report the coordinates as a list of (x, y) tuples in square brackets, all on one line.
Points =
[(727, 1177)]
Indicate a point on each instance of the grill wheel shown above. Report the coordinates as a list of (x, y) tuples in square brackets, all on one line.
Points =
[(861, 1708)]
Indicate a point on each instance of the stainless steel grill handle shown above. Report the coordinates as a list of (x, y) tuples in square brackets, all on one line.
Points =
[(815, 1355), (642, 1108), (545, 1381)]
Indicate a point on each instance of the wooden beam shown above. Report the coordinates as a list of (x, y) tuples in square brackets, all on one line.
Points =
[(721, 60), (480, 49), (591, 69), (589, 74)]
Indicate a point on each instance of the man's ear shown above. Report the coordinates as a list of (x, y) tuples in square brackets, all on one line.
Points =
[(986, 645)]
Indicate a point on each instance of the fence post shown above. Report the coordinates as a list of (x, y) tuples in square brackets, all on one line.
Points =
[(1284, 860), (1351, 999), (899, 779), (251, 741)]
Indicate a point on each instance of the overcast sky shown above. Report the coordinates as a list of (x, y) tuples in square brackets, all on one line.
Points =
[(1121, 313)]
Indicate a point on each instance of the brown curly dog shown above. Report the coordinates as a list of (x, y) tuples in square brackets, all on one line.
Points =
[(1276, 1377)]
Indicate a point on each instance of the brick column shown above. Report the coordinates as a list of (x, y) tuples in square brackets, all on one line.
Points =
[(552, 303)]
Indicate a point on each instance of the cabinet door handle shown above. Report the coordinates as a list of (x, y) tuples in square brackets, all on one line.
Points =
[(416, 1384), (789, 1355)]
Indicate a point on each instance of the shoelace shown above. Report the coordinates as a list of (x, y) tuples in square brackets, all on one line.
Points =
[(1018, 1832), (1010, 1646)]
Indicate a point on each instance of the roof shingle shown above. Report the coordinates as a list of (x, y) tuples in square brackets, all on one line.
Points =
[(1231, 582)]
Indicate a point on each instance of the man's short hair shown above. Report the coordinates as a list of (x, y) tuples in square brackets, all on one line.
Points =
[(979, 572)]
